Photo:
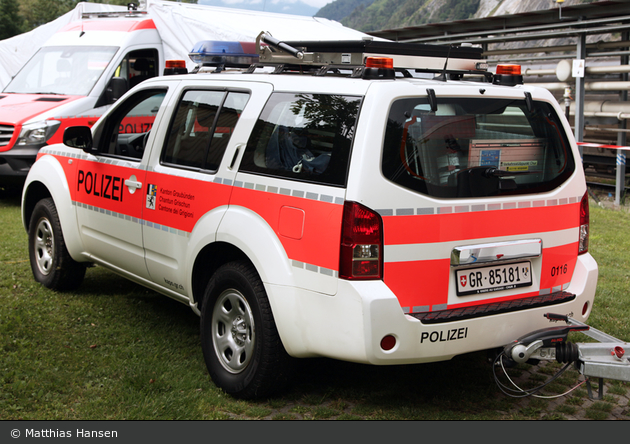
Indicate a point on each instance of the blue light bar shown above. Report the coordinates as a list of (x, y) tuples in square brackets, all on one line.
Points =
[(217, 53)]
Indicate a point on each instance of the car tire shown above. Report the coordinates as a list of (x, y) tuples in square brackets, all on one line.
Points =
[(51, 263), (241, 345)]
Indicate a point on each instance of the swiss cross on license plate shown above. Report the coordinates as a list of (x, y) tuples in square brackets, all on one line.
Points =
[(493, 278)]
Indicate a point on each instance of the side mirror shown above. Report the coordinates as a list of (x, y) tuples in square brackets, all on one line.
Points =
[(116, 87), (78, 137)]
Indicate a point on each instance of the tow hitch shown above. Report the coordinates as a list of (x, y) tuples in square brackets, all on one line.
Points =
[(603, 359)]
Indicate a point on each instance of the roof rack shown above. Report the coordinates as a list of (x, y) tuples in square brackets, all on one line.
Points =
[(132, 11), (113, 14), (352, 54)]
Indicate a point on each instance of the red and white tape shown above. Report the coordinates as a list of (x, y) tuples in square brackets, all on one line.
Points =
[(609, 147)]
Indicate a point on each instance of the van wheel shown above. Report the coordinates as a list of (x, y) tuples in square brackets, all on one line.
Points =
[(50, 261), (240, 342)]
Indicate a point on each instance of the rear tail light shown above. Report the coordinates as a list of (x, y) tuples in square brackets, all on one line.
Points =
[(584, 220), (361, 243)]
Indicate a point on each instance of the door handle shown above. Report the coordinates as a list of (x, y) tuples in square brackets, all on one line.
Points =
[(133, 184)]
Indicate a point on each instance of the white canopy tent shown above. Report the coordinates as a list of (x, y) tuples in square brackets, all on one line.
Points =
[(181, 25)]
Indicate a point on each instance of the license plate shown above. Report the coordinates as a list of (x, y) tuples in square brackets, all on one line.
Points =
[(493, 278)]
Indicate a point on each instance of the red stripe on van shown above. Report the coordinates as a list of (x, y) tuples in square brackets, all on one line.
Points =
[(106, 25), (400, 230), (426, 283), (321, 233), (558, 265), (103, 186), (180, 202), (418, 283)]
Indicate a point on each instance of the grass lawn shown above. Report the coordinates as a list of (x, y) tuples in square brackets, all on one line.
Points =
[(115, 350)]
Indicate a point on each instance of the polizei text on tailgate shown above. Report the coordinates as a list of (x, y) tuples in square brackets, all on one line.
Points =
[(444, 335)]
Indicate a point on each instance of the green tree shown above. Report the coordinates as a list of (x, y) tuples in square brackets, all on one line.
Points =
[(339, 9), (38, 12), (10, 19)]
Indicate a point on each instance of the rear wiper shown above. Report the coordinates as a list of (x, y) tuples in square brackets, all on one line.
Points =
[(495, 172)]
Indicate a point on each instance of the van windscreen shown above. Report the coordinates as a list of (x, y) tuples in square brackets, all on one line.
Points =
[(66, 70)]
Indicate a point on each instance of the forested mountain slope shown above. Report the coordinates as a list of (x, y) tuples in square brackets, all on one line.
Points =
[(372, 15)]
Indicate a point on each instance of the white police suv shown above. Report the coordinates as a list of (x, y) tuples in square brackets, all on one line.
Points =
[(368, 201)]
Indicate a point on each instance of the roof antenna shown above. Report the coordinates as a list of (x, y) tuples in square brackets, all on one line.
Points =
[(528, 101), (432, 99), (442, 77)]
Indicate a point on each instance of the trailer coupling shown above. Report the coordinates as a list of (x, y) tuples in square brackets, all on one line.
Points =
[(603, 359)]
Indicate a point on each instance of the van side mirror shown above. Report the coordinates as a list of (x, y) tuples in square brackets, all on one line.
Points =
[(78, 137), (116, 87)]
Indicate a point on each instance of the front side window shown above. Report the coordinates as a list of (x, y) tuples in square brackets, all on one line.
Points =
[(475, 147), (126, 130), (202, 127), (71, 70), (305, 137)]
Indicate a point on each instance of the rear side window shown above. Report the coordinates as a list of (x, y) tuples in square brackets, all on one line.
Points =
[(475, 147), (201, 128), (306, 137)]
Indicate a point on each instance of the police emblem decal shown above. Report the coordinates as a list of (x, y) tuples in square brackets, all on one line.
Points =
[(151, 196)]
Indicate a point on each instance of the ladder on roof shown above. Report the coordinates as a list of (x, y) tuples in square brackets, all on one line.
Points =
[(352, 54)]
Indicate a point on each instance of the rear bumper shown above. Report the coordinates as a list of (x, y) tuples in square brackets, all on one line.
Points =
[(351, 325), (478, 311)]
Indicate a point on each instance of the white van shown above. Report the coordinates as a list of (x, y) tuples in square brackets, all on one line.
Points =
[(77, 74)]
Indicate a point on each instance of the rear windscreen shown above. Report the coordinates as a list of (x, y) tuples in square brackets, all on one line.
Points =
[(475, 147)]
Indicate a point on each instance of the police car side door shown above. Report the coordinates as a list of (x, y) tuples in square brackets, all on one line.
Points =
[(110, 183), (191, 175)]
